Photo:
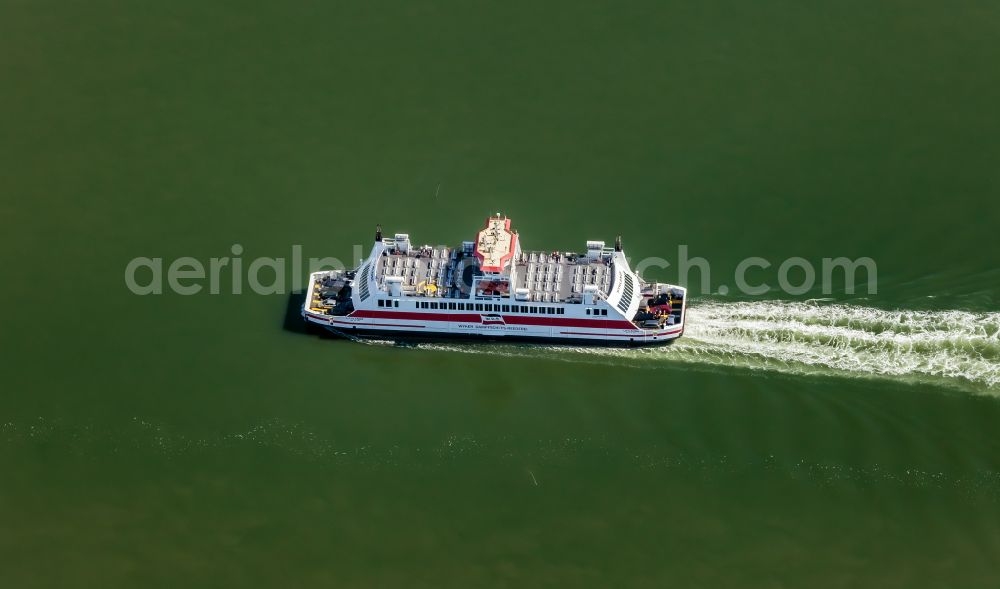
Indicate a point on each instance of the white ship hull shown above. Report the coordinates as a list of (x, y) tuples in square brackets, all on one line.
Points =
[(380, 323), (492, 290)]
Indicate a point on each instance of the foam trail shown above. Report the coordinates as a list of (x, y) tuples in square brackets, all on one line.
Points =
[(957, 349), (953, 347)]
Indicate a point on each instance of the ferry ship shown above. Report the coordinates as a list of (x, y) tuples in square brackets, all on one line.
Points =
[(492, 289)]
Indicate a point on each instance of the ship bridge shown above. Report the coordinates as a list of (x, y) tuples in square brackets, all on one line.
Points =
[(496, 245)]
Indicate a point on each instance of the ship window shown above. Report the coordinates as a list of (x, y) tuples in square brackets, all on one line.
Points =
[(588, 311), (395, 304), (506, 308), (381, 303), (461, 306), (451, 306), (561, 311), (479, 306), (551, 310), (533, 310), (434, 305)]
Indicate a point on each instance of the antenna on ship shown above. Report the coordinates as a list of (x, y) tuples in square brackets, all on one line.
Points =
[(618, 243), (378, 232)]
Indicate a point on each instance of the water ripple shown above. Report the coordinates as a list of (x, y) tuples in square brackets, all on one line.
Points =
[(956, 349)]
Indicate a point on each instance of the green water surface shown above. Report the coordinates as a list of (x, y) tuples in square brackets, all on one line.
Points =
[(204, 440)]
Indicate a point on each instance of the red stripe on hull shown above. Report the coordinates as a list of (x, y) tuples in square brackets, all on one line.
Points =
[(358, 324), (475, 318), (619, 334), (601, 334)]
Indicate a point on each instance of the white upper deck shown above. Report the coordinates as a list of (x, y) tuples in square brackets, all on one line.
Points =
[(494, 268)]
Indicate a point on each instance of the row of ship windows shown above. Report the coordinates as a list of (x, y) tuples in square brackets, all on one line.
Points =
[(492, 307)]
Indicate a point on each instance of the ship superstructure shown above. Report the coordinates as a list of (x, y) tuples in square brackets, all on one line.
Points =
[(491, 288)]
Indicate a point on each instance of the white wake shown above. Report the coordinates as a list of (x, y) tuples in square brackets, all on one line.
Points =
[(950, 348)]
